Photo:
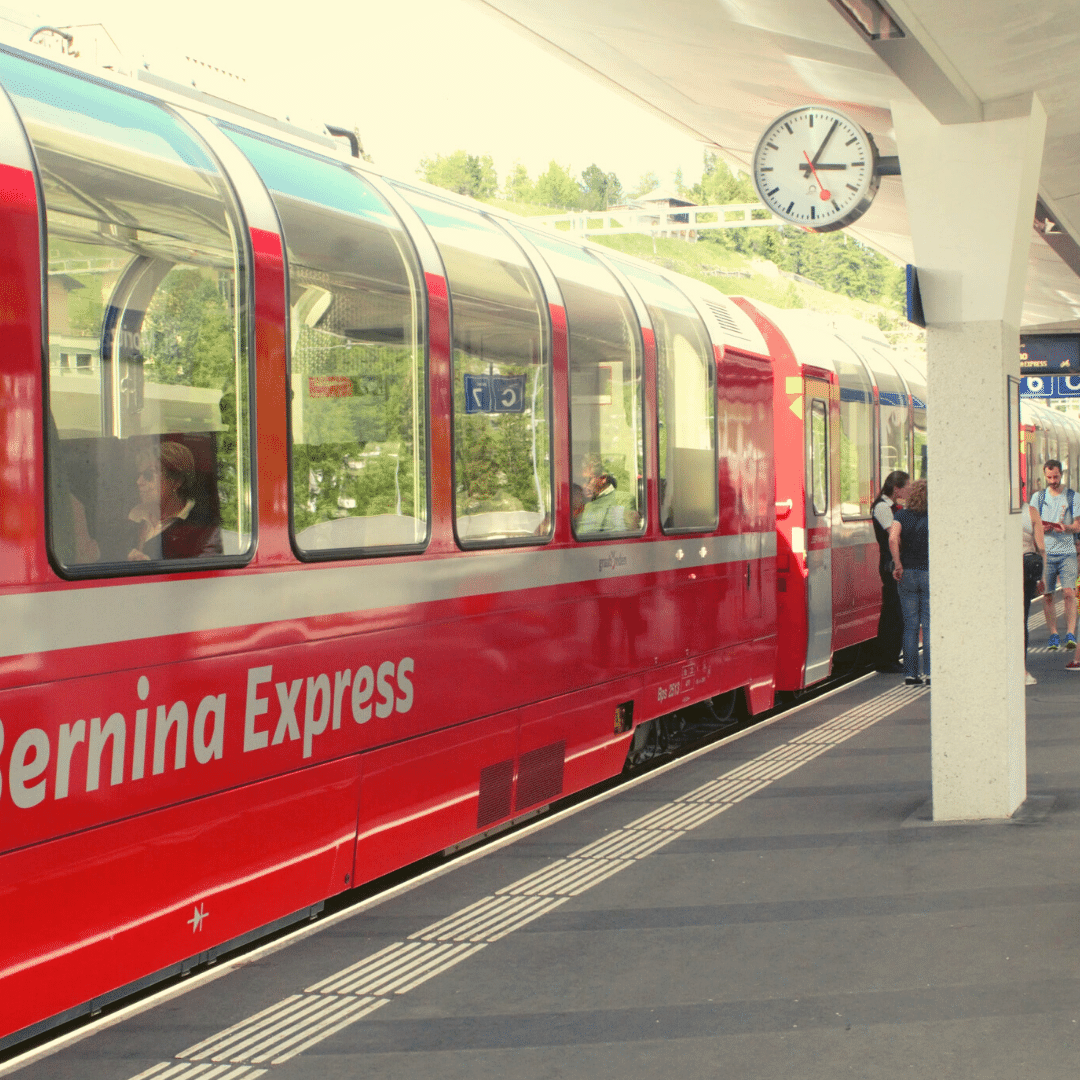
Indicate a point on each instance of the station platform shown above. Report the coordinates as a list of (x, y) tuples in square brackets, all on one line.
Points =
[(777, 905)]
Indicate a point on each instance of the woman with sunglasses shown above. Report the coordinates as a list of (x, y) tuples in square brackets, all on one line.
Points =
[(166, 517)]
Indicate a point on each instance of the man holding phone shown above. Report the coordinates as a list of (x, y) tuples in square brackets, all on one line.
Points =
[(1055, 506)]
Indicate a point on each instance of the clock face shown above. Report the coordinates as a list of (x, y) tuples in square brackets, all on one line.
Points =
[(815, 167)]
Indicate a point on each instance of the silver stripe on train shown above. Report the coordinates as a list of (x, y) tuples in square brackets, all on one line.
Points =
[(132, 610)]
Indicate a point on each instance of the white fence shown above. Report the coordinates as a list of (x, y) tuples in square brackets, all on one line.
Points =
[(662, 220)]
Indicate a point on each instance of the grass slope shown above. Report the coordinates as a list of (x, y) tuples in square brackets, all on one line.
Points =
[(735, 274)]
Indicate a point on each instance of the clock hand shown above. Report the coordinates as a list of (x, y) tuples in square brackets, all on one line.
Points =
[(825, 195), (835, 123), (822, 166)]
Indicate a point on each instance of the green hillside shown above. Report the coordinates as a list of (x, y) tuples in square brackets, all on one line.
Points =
[(737, 274)]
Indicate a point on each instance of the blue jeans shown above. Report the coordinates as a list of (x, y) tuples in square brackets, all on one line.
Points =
[(914, 589)]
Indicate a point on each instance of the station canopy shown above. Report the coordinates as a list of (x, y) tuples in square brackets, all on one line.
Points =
[(723, 69)]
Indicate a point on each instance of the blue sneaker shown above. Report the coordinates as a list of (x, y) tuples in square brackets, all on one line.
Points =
[(1070, 641), (1054, 643)]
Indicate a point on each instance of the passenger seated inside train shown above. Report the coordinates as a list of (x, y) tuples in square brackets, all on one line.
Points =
[(168, 522), (606, 509)]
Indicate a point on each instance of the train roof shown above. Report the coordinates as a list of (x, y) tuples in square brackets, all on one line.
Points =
[(814, 335), (727, 323)]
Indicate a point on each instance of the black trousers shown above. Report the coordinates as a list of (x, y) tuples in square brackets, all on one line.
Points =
[(1029, 595), (890, 633)]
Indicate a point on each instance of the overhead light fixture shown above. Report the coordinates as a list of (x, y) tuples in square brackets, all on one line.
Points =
[(871, 18)]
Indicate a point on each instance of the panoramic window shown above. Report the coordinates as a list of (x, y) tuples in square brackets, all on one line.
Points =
[(358, 415), (686, 405), (502, 442), (606, 437), (856, 438), (895, 422), (918, 423), (147, 421), (819, 456)]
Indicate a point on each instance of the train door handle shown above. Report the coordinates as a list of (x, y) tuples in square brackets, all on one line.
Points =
[(784, 508), (748, 575)]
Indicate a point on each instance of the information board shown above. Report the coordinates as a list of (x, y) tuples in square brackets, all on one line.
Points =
[(1049, 354)]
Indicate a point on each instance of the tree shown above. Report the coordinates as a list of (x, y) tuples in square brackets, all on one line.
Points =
[(599, 189), (464, 173), (557, 188), (649, 182), (719, 185), (616, 195), (835, 261), (189, 337), (519, 187)]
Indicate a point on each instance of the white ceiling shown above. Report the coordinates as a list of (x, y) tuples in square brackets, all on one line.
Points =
[(722, 69)]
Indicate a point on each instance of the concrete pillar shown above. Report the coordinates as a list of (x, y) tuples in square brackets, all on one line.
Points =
[(970, 191)]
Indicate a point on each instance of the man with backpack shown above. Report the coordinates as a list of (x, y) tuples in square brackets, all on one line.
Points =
[(1055, 505)]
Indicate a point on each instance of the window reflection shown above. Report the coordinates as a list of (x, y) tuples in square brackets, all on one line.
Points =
[(359, 435), (502, 483), (146, 317), (686, 401), (606, 436)]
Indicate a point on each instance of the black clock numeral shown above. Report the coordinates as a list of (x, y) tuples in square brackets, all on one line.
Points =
[(789, 206), (766, 168), (811, 119), (851, 187), (772, 146), (853, 139), (836, 205), (789, 131), (813, 212), (774, 190), (857, 164)]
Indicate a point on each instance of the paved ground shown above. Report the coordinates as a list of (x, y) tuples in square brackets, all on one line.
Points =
[(773, 908)]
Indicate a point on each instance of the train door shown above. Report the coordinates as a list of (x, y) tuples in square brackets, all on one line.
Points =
[(819, 589)]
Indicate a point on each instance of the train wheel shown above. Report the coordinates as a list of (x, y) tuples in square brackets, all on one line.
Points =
[(723, 705)]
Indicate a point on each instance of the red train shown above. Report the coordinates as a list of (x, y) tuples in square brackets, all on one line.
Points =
[(342, 521), (1046, 433)]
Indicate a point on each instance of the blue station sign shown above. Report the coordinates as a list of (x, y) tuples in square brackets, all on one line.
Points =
[(494, 393), (1050, 386)]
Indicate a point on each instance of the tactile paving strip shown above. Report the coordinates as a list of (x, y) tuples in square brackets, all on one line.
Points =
[(302, 1020)]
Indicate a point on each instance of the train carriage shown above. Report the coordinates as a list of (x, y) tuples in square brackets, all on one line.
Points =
[(343, 521), (847, 413), (455, 508)]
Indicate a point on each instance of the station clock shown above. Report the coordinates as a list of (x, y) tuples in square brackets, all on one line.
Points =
[(816, 167)]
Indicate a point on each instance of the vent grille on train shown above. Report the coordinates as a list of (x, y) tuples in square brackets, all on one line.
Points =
[(540, 775), (725, 319), (496, 784)]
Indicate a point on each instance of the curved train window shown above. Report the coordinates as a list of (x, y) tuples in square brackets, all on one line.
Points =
[(359, 405), (502, 442), (1060, 445), (857, 449), (917, 388), (147, 425), (819, 456), (686, 401), (606, 432), (895, 421)]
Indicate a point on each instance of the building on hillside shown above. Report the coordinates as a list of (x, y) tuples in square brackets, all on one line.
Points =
[(662, 198)]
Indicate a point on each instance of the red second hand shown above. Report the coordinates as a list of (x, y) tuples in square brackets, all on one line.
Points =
[(824, 194)]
